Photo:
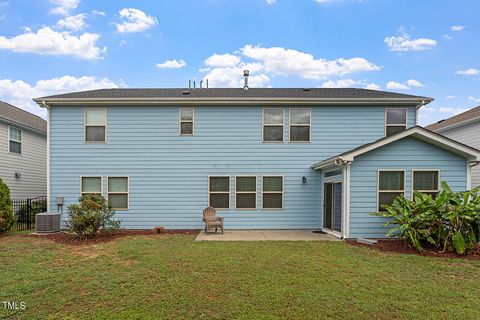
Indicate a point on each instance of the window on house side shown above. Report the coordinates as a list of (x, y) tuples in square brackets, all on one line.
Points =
[(91, 185), (219, 192), (396, 121), (187, 116), (426, 181), (95, 124), (15, 140), (272, 125), (391, 184), (299, 125), (246, 193), (272, 192), (118, 190)]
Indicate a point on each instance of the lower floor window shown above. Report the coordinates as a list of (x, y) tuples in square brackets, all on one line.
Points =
[(391, 184), (91, 185), (246, 193), (118, 190), (219, 192), (272, 192), (426, 181)]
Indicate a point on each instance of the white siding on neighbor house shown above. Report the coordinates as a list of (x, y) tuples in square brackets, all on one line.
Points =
[(169, 173), (468, 134), (31, 164)]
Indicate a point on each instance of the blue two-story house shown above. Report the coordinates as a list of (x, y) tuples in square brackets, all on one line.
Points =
[(264, 158)]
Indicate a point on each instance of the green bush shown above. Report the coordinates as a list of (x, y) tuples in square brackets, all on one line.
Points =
[(448, 222), (7, 218), (91, 214)]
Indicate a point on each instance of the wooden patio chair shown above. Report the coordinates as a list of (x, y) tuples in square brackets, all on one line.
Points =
[(211, 220)]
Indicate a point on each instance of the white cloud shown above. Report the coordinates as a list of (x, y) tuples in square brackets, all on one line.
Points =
[(74, 23), (171, 64), (285, 62), (457, 28), (324, 1), (348, 83), (403, 43), (428, 109), (271, 1), (407, 85), (99, 13), (474, 99), (450, 97), (452, 111), (63, 7), (468, 72), (20, 93), (222, 60), (47, 41), (135, 20)]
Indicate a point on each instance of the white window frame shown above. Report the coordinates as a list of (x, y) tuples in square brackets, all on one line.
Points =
[(127, 193), (246, 192), (10, 139), (273, 125), (276, 192), (290, 125), (85, 125), (395, 124), (430, 170), (180, 121), (228, 192), (390, 191), (81, 185)]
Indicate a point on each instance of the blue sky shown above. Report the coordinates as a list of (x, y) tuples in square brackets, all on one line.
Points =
[(428, 47)]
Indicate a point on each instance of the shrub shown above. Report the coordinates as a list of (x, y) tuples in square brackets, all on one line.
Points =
[(448, 222), (91, 214), (7, 218)]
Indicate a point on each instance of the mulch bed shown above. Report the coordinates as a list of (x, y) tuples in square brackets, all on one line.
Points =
[(398, 246), (69, 239)]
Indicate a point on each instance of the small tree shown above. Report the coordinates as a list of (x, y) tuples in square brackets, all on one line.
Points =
[(7, 218), (91, 214)]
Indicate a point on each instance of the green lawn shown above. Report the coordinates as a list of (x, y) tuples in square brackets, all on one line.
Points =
[(174, 277)]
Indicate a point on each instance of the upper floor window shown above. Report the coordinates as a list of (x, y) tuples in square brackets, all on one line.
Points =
[(300, 121), (14, 140), (395, 121), (219, 192), (187, 116), (391, 184), (426, 181), (273, 124), (118, 190), (95, 124), (91, 185)]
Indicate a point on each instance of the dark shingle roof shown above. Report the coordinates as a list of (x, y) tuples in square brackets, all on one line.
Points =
[(465, 116), (16, 115), (320, 93)]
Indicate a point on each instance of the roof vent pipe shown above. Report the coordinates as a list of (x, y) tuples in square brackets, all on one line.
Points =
[(201, 82), (246, 73)]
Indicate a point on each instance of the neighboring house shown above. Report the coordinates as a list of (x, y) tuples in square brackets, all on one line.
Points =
[(23, 152), (465, 128), (265, 158)]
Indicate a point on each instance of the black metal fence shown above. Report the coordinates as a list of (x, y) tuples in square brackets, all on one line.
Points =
[(25, 211)]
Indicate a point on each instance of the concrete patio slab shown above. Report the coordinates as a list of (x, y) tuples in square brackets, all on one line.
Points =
[(266, 235)]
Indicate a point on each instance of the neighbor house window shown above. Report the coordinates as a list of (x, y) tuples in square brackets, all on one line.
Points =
[(299, 125), (426, 181), (395, 121), (95, 124), (118, 192), (391, 184), (246, 192), (272, 192), (186, 121), (91, 185), (273, 125), (15, 140), (219, 192)]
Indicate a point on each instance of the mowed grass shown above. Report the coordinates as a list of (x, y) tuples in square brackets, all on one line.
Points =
[(172, 276)]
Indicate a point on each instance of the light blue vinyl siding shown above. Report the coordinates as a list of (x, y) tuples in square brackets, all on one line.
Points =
[(406, 154), (168, 173)]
